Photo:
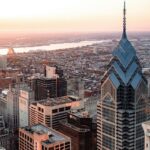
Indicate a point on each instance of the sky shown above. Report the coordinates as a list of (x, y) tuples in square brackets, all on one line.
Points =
[(72, 15)]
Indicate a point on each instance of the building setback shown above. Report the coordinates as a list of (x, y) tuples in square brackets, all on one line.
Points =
[(123, 100)]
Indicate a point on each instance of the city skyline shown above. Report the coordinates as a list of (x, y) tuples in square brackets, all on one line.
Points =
[(72, 16)]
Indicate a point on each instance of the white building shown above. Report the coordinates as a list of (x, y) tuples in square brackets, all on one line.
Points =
[(146, 128), (25, 98), (51, 111), (51, 72)]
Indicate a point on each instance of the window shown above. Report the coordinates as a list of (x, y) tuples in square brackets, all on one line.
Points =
[(108, 142), (54, 110), (61, 109), (108, 114), (108, 129), (68, 108)]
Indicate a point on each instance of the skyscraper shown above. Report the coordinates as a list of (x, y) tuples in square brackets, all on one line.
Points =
[(52, 85), (121, 109)]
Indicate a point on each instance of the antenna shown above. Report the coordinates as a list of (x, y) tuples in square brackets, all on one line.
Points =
[(124, 35)]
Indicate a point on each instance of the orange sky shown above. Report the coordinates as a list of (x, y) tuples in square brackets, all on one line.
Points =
[(73, 15)]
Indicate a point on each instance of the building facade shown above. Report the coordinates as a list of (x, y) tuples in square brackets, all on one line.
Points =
[(50, 112), (39, 137), (78, 127), (52, 85), (121, 109), (25, 98)]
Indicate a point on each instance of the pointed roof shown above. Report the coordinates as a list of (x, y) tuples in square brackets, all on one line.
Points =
[(125, 69), (124, 51)]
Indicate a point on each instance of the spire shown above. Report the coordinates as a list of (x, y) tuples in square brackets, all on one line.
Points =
[(124, 35)]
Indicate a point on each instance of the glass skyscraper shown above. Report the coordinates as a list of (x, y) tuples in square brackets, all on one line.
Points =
[(121, 109)]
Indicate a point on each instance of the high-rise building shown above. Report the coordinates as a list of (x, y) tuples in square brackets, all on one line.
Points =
[(121, 109), (25, 98), (13, 109), (52, 85), (78, 127), (51, 111), (39, 137)]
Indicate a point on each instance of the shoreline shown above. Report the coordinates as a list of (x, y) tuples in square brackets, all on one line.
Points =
[(51, 47)]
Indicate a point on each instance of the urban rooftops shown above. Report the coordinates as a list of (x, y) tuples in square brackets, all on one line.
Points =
[(57, 101), (53, 135)]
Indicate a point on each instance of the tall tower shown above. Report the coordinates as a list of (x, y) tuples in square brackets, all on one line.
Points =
[(121, 109)]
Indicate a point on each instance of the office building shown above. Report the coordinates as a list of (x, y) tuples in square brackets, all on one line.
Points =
[(78, 126), (121, 109), (13, 106), (39, 137), (25, 98), (13, 109), (51, 111), (52, 85)]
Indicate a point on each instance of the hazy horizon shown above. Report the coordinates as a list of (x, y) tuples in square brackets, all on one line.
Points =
[(31, 16)]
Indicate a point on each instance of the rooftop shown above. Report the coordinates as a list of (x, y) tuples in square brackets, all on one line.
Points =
[(57, 101), (81, 114), (53, 135)]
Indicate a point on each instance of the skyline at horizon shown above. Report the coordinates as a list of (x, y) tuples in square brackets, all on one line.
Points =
[(73, 16)]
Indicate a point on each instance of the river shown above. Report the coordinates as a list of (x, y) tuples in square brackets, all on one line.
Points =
[(51, 47)]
